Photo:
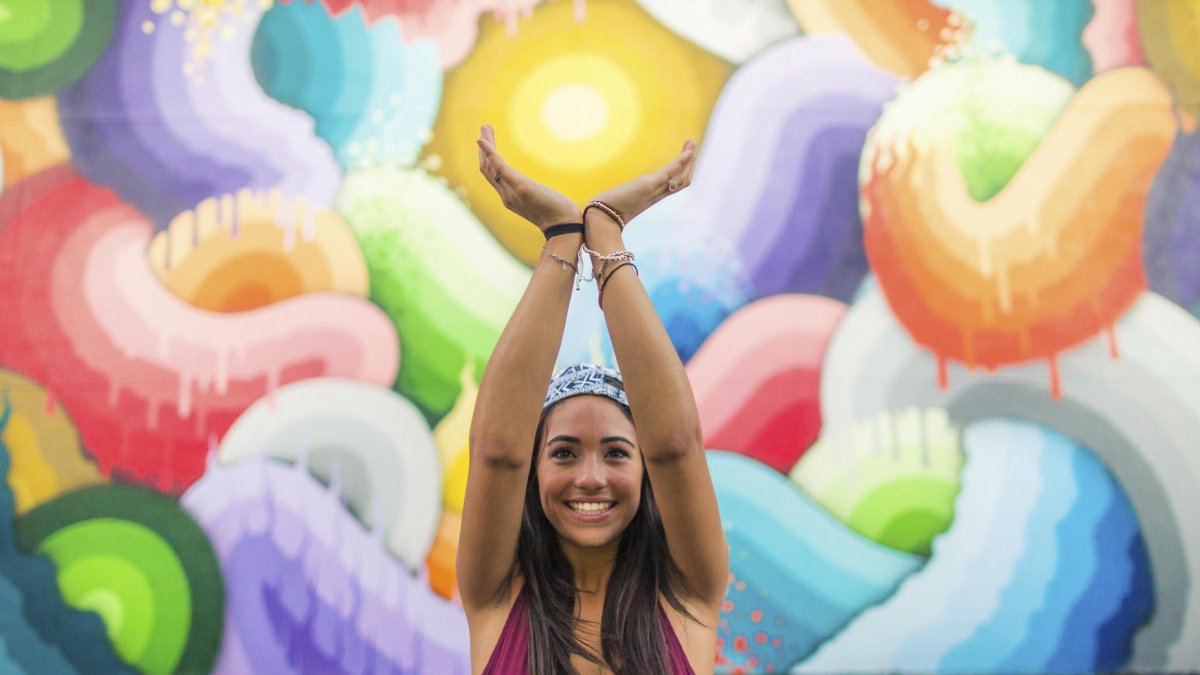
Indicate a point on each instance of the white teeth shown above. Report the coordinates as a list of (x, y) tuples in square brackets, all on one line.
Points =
[(591, 508)]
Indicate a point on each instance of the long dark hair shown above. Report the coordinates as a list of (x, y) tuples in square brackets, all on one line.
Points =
[(631, 636)]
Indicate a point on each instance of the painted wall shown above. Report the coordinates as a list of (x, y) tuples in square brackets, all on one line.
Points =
[(936, 284)]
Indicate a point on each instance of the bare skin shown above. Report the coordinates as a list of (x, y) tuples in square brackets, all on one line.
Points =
[(583, 456)]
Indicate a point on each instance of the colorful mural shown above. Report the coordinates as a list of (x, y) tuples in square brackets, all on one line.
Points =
[(936, 284)]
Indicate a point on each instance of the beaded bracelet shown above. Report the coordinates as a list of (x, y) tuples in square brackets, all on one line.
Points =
[(604, 282), (563, 228), (608, 210)]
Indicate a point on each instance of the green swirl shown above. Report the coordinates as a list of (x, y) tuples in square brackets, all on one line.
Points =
[(892, 479), (48, 44), (141, 563), (991, 113), (447, 285)]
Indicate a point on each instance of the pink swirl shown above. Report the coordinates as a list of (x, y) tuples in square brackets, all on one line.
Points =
[(757, 378), (147, 378), (1112, 36)]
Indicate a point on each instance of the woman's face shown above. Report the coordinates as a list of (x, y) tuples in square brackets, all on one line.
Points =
[(589, 471)]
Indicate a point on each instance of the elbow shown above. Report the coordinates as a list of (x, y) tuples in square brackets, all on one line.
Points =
[(672, 448), (487, 441), (497, 454)]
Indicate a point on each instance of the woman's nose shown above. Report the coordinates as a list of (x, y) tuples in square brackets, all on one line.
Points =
[(591, 472)]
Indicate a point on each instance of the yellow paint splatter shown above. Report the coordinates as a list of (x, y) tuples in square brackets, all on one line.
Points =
[(451, 435), (204, 22)]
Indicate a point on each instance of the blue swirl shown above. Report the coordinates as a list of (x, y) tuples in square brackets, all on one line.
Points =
[(1046, 34), (1043, 569), (372, 97), (802, 569)]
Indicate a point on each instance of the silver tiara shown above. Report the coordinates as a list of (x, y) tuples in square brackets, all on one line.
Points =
[(586, 378)]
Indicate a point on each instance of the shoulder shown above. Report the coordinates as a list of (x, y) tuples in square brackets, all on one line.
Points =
[(697, 634), (485, 623), (502, 603)]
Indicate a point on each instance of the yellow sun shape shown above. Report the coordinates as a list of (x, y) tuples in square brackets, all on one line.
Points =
[(578, 105)]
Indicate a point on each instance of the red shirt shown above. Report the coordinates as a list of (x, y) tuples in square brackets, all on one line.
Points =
[(511, 655)]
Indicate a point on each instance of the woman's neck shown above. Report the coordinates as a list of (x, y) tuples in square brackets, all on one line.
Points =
[(592, 566)]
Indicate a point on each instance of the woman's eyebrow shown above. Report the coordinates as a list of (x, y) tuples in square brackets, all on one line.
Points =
[(574, 439)]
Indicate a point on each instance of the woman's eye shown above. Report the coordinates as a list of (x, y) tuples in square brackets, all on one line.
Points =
[(560, 453), (618, 452)]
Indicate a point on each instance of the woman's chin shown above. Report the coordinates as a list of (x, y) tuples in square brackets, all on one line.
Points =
[(588, 538)]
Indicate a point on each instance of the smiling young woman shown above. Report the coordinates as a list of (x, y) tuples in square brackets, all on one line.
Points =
[(590, 543)]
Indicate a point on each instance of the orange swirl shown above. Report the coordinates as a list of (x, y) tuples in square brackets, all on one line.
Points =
[(238, 253), (1051, 260), (31, 137), (901, 36)]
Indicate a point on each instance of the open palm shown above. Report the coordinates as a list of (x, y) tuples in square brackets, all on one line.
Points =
[(632, 198), (520, 194)]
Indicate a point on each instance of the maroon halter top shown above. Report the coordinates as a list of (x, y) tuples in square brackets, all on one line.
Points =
[(511, 655)]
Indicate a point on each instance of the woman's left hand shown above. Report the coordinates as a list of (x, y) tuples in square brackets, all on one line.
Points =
[(639, 194)]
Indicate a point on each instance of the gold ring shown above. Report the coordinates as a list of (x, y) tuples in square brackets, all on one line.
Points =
[(496, 178), (671, 186)]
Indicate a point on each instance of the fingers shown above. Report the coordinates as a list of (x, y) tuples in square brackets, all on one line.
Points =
[(489, 158), (678, 174), (690, 168), (505, 180), (492, 165), (484, 165), (687, 165)]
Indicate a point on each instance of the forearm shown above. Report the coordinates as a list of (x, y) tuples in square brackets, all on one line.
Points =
[(660, 395), (518, 372)]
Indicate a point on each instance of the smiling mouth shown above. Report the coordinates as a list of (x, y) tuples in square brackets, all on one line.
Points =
[(590, 508)]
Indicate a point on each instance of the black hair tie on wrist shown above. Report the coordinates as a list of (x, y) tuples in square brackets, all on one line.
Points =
[(564, 228)]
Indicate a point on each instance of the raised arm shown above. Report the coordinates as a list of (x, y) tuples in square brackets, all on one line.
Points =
[(513, 387), (660, 396)]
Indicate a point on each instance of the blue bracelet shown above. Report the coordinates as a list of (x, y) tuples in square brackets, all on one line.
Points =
[(564, 228)]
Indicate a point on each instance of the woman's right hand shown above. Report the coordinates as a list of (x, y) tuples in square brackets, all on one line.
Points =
[(632, 198), (525, 197)]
